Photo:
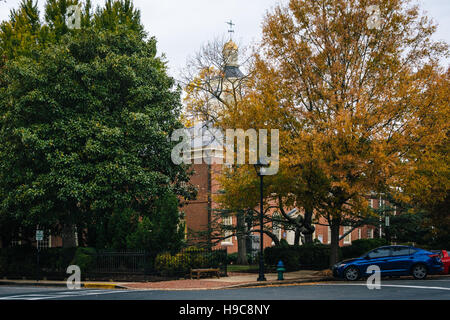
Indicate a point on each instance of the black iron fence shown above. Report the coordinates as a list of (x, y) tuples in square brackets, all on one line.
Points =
[(117, 262), (107, 264), (181, 263), (28, 262)]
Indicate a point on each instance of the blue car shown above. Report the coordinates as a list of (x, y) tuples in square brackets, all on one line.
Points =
[(392, 261)]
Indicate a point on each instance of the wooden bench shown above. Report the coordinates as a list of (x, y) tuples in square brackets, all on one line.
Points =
[(207, 271)]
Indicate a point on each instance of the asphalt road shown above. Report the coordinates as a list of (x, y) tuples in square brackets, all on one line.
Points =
[(400, 289)]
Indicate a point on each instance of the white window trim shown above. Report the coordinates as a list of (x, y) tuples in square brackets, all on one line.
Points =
[(329, 234), (228, 241), (347, 238), (320, 238), (276, 228)]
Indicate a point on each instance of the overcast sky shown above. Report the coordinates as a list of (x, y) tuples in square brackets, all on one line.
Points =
[(183, 26)]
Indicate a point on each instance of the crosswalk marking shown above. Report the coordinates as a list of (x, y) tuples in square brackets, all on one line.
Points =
[(59, 294)]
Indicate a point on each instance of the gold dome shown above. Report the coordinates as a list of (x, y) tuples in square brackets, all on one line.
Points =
[(230, 45)]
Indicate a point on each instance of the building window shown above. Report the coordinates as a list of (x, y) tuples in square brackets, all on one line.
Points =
[(359, 233), (228, 239), (276, 226), (15, 243), (329, 234), (347, 238), (369, 233), (382, 204), (320, 238), (45, 242)]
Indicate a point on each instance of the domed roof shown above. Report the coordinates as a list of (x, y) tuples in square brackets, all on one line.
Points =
[(230, 45)]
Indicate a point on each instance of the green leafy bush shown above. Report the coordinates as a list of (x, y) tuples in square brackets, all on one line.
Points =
[(85, 258), (22, 260), (181, 263), (315, 256), (56, 259), (232, 258), (311, 256), (169, 265), (289, 255)]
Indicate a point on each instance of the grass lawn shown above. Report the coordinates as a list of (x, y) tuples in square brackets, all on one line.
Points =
[(242, 268)]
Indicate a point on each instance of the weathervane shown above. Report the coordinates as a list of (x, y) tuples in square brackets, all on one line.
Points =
[(231, 24)]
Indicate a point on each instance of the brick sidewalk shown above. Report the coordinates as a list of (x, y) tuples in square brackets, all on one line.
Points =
[(181, 284), (233, 280)]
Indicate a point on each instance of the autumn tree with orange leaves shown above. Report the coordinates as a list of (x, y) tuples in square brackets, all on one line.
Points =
[(357, 102)]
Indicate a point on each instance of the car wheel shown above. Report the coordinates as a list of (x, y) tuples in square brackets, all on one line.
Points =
[(419, 272), (351, 274)]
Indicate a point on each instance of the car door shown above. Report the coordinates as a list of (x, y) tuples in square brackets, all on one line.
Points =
[(401, 259), (378, 257)]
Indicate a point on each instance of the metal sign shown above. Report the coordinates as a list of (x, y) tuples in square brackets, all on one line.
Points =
[(39, 235)]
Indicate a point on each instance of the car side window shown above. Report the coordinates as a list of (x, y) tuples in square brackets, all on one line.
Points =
[(400, 251), (379, 253)]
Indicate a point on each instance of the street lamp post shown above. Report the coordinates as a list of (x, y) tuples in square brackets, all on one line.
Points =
[(259, 167)]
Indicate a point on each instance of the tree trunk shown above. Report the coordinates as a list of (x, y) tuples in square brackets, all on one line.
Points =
[(297, 236), (334, 252), (308, 237), (241, 240), (307, 220), (68, 236)]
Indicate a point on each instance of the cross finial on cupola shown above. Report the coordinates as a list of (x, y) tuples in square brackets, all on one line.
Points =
[(230, 30)]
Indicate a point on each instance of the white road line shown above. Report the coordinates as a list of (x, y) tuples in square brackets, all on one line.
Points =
[(386, 285), (57, 295), (24, 296), (86, 294)]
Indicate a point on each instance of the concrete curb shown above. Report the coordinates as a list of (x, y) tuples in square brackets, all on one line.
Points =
[(92, 285)]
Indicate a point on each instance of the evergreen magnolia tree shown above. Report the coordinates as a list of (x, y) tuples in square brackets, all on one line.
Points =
[(23, 32), (84, 123)]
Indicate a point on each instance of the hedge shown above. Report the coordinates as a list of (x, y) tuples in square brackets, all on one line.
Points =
[(22, 261), (316, 256), (190, 258), (310, 256), (85, 258)]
